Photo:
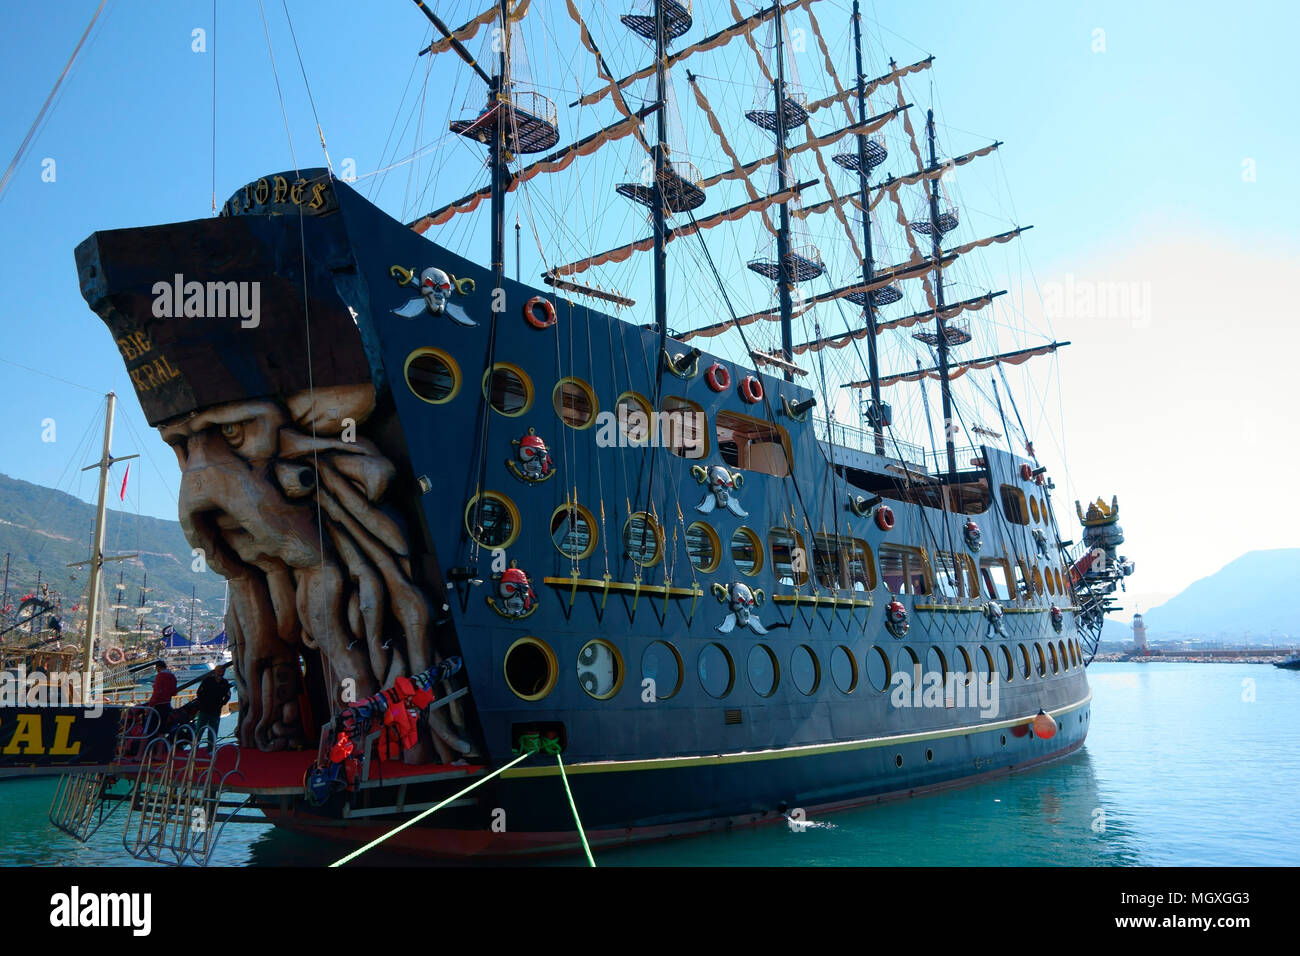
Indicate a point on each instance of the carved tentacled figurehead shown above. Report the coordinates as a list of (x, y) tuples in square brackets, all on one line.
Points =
[(287, 460)]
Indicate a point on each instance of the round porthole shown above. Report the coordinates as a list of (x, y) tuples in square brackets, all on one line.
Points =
[(508, 389), (661, 665), (746, 552), (703, 546), (929, 755), (573, 531), (432, 375), (634, 415), (805, 671), (530, 668), (844, 669), (898, 760), (878, 672), (492, 520), (764, 671), (643, 540), (575, 402), (600, 669), (716, 671)]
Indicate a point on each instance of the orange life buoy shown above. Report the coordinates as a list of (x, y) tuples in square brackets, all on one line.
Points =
[(1026, 472), (751, 390), (717, 377), (884, 517), (548, 312), (114, 656)]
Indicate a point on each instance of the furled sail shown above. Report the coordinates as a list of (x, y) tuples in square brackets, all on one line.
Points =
[(469, 30), (870, 86), (841, 339), (958, 369)]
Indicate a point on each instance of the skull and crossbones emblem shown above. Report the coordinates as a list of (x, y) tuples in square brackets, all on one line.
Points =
[(742, 602), (721, 492), (435, 291), (533, 460), (517, 598)]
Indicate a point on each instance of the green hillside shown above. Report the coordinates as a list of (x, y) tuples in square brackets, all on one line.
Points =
[(45, 530)]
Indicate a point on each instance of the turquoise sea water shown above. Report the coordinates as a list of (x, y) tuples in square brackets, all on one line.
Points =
[(1185, 764)]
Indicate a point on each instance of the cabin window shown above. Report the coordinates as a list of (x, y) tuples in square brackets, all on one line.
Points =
[(508, 389), (789, 558), (432, 375), (1008, 670), (984, 661), (966, 670), (1024, 662), (575, 402), (684, 428), (1024, 589), (843, 563), (492, 520), (955, 575), (753, 445), (1038, 581), (878, 671), (1014, 506), (996, 577), (906, 663), (1052, 658), (662, 666), (1033, 507), (573, 531), (643, 540), (531, 668), (1065, 657), (703, 546), (904, 570), (746, 552), (844, 669), (633, 413), (1042, 661)]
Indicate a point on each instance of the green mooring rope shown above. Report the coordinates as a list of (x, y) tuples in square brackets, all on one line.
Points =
[(569, 793)]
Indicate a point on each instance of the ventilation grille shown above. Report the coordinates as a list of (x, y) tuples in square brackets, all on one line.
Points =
[(732, 717)]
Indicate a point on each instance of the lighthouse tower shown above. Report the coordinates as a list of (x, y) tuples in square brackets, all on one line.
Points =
[(1139, 635)]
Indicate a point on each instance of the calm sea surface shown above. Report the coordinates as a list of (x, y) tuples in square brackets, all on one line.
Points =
[(1185, 764)]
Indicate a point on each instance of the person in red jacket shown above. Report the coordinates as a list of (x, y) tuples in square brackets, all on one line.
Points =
[(164, 689)]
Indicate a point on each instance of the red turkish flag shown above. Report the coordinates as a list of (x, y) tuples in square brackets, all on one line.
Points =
[(122, 496)]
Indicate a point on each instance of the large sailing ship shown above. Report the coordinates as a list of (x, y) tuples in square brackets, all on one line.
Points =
[(469, 521)]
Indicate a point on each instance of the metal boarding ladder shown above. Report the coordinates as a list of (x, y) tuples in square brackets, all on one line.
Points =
[(80, 803), (174, 813)]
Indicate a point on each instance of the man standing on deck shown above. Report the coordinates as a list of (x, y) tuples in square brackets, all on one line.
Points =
[(213, 694), (164, 689)]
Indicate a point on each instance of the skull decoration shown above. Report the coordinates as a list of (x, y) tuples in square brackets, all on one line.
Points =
[(722, 486), (741, 601), (1058, 618), (993, 612), (435, 290), (1040, 541), (518, 600), (896, 618), (971, 532), (533, 459)]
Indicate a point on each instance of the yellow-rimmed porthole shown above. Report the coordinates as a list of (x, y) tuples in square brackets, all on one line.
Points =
[(508, 389), (432, 375), (746, 552), (600, 669), (684, 428), (575, 402), (662, 666), (531, 669), (878, 669), (643, 540), (492, 520), (635, 417), (716, 670), (703, 546), (573, 531)]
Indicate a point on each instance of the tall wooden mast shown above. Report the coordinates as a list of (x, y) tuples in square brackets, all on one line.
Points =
[(660, 260), (936, 239), (869, 309), (784, 281), (498, 154)]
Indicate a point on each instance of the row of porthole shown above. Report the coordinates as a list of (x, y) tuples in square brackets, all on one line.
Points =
[(433, 376), (532, 669)]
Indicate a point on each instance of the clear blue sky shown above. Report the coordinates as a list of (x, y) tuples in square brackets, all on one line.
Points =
[(1128, 162)]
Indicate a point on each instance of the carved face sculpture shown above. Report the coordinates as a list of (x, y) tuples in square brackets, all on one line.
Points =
[(534, 459), (971, 532), (722, 486), (517, 597), (435, 292), (290, 515)]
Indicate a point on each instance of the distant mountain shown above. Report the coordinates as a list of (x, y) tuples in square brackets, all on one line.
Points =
[(1258, 593), (46, 530)]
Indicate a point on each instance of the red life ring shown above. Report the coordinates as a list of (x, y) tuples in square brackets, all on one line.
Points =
[(1026, 472), (884, 518), (548, 312), (114, 656), (751, 390), (717, 377)]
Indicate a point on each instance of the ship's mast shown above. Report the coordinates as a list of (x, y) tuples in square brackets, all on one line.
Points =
[(783, 232), (96, 562), (500, 96), (936, 238), (864, 175), (660, 262)]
